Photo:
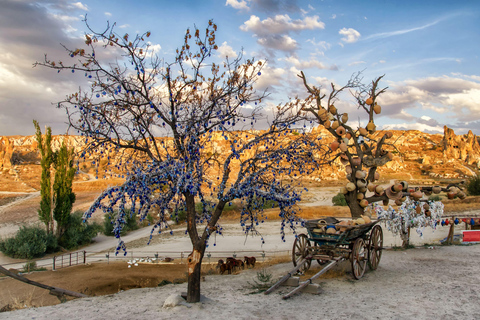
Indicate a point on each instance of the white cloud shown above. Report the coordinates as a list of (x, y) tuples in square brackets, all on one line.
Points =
[(280, 24), (108, 14), (80, 6), (238, 4), (334, 16), (304, 64), (400, 32), (279, 42), (458, 98), (382, 61), (123, 26), (464, 104), (350, 35), (412, 126), (65, 18), (226, 51), (323, 44), (154, 48), (356, 63), (270, 77)]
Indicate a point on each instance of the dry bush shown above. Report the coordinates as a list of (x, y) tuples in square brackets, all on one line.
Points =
[(26, 300)]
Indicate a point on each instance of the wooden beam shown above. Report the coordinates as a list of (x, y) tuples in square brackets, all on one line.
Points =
[(53, 290)]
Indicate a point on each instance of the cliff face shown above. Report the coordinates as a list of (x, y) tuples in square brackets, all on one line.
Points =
[(6, 152), (463, 147), (417, 156)]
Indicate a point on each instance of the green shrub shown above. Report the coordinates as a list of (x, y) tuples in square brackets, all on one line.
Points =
[(473, 185), (78, 233), (109, 223), (32, 266), (339, 200), (434, 197), (29, 243)]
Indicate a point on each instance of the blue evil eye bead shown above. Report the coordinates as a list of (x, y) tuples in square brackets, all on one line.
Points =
[(472, 222), (456, 221), (443, 223), (259, 73)]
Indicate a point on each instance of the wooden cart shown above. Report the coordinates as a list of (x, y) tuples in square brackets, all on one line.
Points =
[(362, 244)]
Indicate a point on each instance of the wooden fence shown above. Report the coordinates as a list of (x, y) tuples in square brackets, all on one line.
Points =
[(69, 259)]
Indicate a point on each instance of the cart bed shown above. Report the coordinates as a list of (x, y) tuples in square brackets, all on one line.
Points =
[(351, 232)]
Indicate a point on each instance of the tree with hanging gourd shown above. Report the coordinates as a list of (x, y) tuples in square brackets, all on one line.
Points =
[(362, 150)]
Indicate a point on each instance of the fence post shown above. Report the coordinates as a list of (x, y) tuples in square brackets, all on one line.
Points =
[(84, 256), (53, 268)]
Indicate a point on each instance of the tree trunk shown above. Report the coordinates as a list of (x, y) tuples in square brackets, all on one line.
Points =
[(355, 209), (195, 258), (406, 238), (194, 274)]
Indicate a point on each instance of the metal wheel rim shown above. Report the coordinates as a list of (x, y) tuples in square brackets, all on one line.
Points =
[(375, 247), (300, 251), (358, 259)]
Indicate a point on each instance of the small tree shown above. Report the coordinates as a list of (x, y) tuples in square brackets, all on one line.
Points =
[(473, 185), (63, 196), (45, 148), (56, 201), (163, 116)]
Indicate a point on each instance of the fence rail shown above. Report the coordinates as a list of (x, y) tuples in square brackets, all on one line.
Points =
[(181, 256), (69, 259), (83, 257)]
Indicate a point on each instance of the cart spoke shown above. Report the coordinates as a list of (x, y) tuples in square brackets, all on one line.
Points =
[(300, 251), (358, 259), (375, 247)]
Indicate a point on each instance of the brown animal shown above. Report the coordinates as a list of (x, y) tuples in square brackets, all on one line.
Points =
[(225, 267), (236, 264), (250, 261)]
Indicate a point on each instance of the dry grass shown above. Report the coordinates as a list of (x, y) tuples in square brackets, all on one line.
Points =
[(95, 185), (27, 300)]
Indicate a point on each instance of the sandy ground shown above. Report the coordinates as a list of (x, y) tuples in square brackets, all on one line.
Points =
[(417, 283), (421, 283)]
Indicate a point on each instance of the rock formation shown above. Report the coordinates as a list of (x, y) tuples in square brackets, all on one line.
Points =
[(418, 155), (6, 153), (463, 147)]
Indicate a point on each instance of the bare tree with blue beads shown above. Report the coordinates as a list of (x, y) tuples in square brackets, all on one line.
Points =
[(162, 117)]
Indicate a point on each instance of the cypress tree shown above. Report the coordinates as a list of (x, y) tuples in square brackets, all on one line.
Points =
[(45, 147), (63, 196)]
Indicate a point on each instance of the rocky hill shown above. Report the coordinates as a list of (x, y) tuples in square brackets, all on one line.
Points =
[(418, 156)]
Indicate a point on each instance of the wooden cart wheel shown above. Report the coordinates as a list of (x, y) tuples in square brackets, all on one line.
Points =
[(358, 258), (300, 251), (320, 262), (375, 247)]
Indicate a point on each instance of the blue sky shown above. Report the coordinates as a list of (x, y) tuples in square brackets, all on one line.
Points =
[(428, 51)]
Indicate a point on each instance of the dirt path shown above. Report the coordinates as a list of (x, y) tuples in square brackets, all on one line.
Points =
[(422, 283), (29, 195)]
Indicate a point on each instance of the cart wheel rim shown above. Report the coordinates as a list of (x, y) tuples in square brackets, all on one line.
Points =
[(375, 247), (300, 251), (358, 258)]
